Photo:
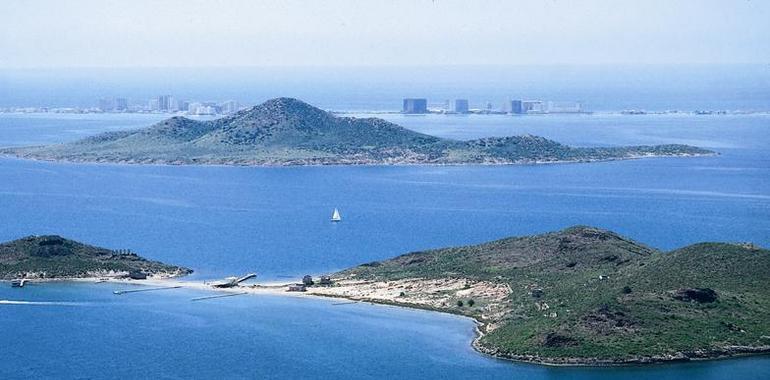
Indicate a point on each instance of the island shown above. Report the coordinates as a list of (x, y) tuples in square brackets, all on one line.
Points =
[(54, 257), (286, 131), (583, 296)]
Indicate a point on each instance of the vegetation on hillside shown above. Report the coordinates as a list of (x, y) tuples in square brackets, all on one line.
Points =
[(587, 295), (55, 257)]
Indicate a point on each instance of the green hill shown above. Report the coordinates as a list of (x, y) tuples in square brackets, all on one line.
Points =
[(55, 257), (287, 131), (589, 296)]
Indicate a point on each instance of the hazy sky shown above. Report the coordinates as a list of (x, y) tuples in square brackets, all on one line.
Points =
[(124, 33)]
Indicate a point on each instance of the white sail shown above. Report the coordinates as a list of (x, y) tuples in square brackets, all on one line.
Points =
[(336, 216)]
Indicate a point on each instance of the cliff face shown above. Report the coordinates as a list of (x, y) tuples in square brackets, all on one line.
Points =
[(56, 257), (287, 131)]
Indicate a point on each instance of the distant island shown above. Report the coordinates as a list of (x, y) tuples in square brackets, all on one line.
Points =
[(584, 296), (286, 131), (54, 257)]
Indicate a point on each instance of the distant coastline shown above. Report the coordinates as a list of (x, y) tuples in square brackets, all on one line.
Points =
[(628, 112)]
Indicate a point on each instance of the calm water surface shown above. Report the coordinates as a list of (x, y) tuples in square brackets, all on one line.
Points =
[(274, 221)]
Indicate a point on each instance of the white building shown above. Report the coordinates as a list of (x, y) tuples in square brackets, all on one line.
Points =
[(154, 106), (192, 108), (459, 106), (533, 106), (564, 107), (229, 107), (205, 110), (164, 102)]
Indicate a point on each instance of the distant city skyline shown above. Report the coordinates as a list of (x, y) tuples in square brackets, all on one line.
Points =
[(165, 104), (169, 104), (57, 34)]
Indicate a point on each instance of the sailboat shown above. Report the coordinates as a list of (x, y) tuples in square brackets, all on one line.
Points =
[(336, 216)]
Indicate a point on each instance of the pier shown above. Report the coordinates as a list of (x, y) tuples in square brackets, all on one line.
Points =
[(234, 281), (119, 292), (218, 296), (344, 303)]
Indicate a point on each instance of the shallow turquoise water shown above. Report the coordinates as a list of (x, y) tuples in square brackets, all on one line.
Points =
[(274, 221)]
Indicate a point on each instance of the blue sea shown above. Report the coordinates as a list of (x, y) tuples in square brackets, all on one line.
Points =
[(224, 221)]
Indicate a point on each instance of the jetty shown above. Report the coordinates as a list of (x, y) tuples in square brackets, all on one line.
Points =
[(218, 296), (234, 281), (344, 303), (119, 292)]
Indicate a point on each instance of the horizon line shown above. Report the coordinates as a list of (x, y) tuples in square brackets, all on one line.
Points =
[(414, 65)]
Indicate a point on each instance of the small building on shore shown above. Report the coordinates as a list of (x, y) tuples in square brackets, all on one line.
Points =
[(296, 288), (308, 280), (325, 280)]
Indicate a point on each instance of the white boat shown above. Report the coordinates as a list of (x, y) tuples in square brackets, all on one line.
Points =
[(336, 216)]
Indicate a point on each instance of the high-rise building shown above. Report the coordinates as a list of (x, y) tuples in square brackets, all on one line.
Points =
[(229, 107), (533, 106), (192, 108), (513, 106), (154, 104), (106, 104), (121, 104), (459, 106), (415, 105), (164, 103), (173, 105)]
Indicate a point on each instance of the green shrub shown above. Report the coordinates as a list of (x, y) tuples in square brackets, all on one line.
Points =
[(626, 289)]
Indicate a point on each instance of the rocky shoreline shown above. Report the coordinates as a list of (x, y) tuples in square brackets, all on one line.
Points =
[(331, 161), (484, 325), (695, 355), (685, 356)]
